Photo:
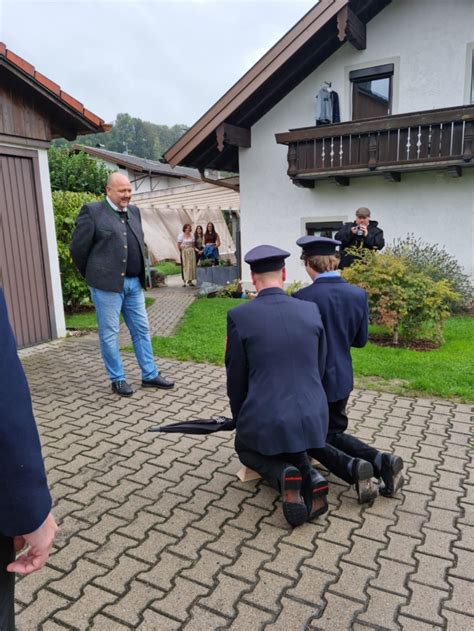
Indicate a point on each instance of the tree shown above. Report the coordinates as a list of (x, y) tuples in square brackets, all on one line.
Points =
[(76, 172)]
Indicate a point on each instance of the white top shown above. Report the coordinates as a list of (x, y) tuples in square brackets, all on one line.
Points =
[(185, 241)]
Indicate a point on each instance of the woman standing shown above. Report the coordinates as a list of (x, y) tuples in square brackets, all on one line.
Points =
[(188, 258), (212, 244), (198, 242)]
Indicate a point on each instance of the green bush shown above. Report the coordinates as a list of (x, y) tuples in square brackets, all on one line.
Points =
[(66, 208), (435, 262), (293, 287), (406, 301), (77, 172)]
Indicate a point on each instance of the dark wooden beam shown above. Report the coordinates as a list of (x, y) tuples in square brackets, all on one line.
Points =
[(340, 180), (351, 28), (228, 134), (303, 183), (455, 171), (392, 176)]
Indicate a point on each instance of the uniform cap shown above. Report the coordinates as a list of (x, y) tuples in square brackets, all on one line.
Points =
[(266, 258), (318, 246)]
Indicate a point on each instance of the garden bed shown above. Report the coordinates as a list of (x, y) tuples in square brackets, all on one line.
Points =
[(415, 345)]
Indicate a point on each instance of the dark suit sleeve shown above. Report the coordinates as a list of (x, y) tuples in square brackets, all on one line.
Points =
[(236, 367), (24, 497), (344, 235), (362, 334), (82, 239), (322, 352), (375, 239)]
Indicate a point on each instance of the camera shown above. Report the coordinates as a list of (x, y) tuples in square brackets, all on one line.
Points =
[(359, 232)]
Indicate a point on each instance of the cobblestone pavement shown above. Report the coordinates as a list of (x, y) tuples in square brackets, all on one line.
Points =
[(157, 533)]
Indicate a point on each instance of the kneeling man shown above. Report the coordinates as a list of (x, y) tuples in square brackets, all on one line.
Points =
[(276, 353)]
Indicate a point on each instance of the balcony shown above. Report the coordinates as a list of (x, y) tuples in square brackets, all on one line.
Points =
[(388, 146)]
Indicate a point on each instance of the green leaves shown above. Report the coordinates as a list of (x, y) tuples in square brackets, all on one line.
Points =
[(76, 171)]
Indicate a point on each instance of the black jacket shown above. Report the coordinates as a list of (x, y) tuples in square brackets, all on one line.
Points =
[(275, 358), (373, 241), (99, 245)]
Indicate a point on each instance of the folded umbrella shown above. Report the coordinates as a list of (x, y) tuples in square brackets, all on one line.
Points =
[(198, 426)]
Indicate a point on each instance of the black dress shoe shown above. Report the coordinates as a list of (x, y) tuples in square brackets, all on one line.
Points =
[(391, 474), (295, 512), (319, 491), (158, 382), (122, 388), (363, 472)]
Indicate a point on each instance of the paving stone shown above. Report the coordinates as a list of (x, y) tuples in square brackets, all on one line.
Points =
[(457, 621), (41, 609), (100, 531), (401, 548), (247, 564), (180, 598), (70, 584), (410, 624), (138, 527), (206, 568), (287, 560), (225, 595), (441, 519), (392, 577), (311, 586), (162, 573), (268, 590), (250, 517), (249, 617), (213, 520), (82, 610), (339, 530), (192, 542), (103, 623), (438, 543), (338, 614), (364, 552), (109, 553), (27, 587), (431, 571), (124, 571), (467, 537), (381, 610), (464, 564), (461, 597), (201, 619), (129, 607), (425, 603), (352, 581), (293, 615)]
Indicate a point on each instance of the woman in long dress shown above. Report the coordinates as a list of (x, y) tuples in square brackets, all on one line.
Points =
[(188, 258)]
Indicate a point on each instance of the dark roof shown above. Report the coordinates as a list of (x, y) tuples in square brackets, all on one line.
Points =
[(63, 108), (142, 165), (296, 55)]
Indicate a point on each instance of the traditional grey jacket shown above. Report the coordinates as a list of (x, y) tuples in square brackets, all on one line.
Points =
[(99, 245)]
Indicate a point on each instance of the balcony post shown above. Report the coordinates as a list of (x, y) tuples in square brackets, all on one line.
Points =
[(373, 151), (292, 159), (468, 142)]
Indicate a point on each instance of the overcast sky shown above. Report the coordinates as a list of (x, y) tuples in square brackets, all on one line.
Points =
[(166, 61)]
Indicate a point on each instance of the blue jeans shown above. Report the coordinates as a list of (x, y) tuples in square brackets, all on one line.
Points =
[(131, 303)]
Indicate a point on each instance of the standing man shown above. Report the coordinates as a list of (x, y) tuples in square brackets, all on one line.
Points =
[(275, 356), (25, 503), (344, 312), (108, 249), (361, 233)]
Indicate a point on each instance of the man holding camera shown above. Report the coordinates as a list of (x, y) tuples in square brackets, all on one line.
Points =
[(361, 233)]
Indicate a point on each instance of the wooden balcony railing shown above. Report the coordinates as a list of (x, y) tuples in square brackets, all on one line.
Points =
[(389, 145)]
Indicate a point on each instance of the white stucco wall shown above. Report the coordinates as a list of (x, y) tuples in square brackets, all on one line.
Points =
[(430, 43)]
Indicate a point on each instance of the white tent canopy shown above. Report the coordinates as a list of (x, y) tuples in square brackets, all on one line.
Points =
[(164, 213)]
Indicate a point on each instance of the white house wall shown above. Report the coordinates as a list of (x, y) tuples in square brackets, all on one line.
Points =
[(429, 43)]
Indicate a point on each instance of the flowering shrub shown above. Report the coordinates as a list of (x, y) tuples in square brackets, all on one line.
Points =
[(404, 300)]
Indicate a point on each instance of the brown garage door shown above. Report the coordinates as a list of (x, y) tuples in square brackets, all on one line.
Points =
[(22, 252)]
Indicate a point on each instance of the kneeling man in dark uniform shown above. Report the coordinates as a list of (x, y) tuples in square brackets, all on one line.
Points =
[(276, 353), (345, 315)]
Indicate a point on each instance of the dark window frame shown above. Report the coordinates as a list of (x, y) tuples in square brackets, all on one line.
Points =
[(311, 227), (384, 71)]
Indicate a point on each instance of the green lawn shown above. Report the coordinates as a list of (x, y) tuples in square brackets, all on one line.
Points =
[(446, 372), (86, 320), (167, 268)]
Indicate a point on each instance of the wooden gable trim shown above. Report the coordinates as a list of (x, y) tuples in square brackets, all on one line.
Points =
[(279, 54), (351, 28)]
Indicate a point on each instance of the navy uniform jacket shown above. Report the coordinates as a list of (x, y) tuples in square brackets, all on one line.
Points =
[(24, 497), (345, 314), (99, 245), (276, 353)]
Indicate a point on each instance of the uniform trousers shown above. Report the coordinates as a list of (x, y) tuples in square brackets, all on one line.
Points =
[(7, 585), (271, 467), (337, 456)]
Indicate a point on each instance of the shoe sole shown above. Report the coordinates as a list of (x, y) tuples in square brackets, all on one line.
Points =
[(294, 513), (320, 491), (398, 479), (367, 491), (147, 385)]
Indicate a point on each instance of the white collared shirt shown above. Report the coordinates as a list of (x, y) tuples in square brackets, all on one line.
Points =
[(119, 210)]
